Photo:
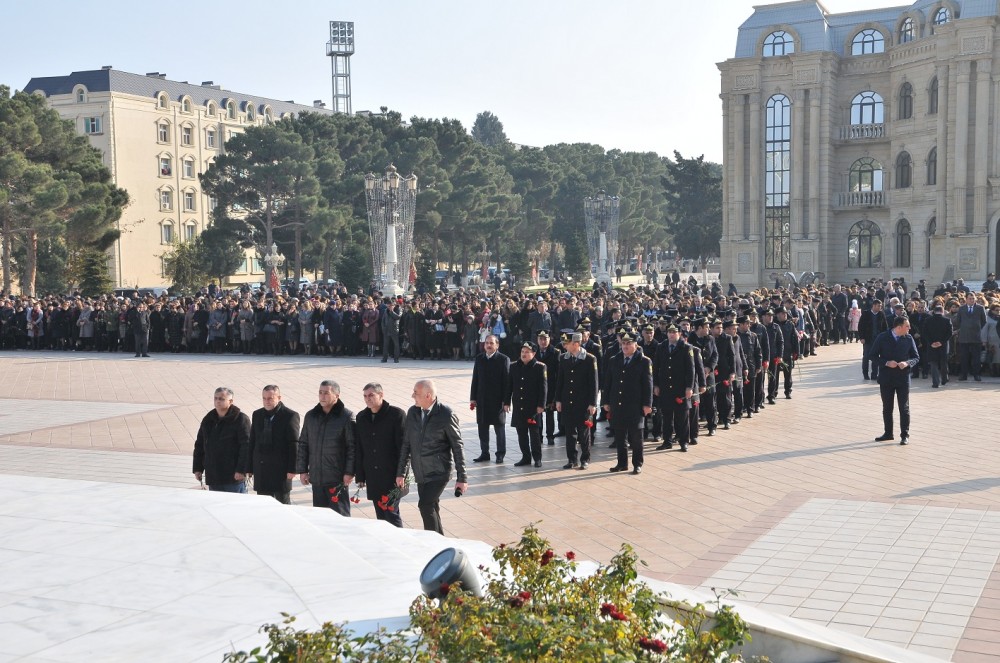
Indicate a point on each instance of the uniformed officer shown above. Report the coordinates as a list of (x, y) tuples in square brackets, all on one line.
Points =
[(629, 389), (527, 397), (755, 360), (765, 354), (700, 381), (576, 398), (674, 383), (653, 424), (726, 375), (776, 345), (710, 360), (548, 355)]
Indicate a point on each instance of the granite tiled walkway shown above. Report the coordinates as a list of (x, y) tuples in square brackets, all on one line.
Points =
[(798, 509)]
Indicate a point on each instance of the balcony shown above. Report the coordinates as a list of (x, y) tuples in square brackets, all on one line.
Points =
[(863, 132), (862, 199)]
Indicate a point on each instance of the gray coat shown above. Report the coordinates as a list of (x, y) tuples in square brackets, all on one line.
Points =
[(326, 446), (969, 326), (430, 447)]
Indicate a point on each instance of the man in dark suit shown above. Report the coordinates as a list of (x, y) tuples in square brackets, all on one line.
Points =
[(896, 354), (629, 390), (754, 363), (274, 434), (389, 319), (548, 355), (138, 319), (726, 376), (674, 382), (490, 397), (937, 332), (790, 350), (528, 387), (576, 399), (379, 435), (969, 326), (431, 439), (710, 360), (648, 344), (872, 324)]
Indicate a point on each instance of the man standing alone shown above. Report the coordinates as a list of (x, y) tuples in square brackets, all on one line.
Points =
[(431, 439), (326, 450), (896, 354), (221, 448), (274, 432)]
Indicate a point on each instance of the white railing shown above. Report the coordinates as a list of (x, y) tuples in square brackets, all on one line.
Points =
[(861, 199), (863, 131)]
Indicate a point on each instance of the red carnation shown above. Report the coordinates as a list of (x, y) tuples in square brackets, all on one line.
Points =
[(746, 382), (795, 357), (588, 423), (525, 595), (766, 364), (472, 406), (547, 556), (607, 609), (571, 555), (716, 371), (653, 645), (335, 499), (679, 400), (532, 422), (777, 360), (725, 383)]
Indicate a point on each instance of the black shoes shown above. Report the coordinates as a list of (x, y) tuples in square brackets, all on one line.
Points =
[(552, 442), (637, 469), (538, 463), (884, 437), (499, 459), (684, 448), (711, 432), (725, 425), (584, 465), (692, 442), (618, 468), (569, 466), (523, 462), (903, 441), (770, 400), (665, 445), (788, 397), (481, 459), (974, 377)]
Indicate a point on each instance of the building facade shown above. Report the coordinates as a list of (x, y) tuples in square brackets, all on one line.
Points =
[(157, 136), (864, 144)]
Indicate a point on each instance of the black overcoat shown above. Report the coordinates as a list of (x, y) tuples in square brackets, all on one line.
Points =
[(379, 438), (628, 389), (491, 388), (273, 439), (528, 387)]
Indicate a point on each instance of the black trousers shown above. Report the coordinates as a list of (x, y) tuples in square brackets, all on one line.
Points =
[(968, 359), (484, 437), (631, 435), (392, 517), (580, 434), (142, 343), (393, 340), (675, 422), (937, 360), (758, 387), (283, 497), (324, 498), (429, 504), (901, 394), (550, 421), (693, 417), (708, 406), (529, 438), (724, 400), (785, 369)]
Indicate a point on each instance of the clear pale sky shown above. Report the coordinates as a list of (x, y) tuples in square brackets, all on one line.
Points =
[(628, 74)]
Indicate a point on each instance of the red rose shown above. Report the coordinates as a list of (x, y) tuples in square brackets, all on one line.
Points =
[(525, 595), (607, 609), (679, 400), (547, 556), (472, 406), (588, 423), (653, 645), (571, 555), (725, 383)]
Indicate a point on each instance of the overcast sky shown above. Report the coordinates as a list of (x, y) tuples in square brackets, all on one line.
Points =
[(629, 74)]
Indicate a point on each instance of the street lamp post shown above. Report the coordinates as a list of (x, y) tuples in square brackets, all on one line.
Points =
[(391, 201), (274, 260), (601, 215)]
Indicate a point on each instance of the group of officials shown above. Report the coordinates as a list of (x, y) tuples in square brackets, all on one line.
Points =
[(332, 449), (657, 382)]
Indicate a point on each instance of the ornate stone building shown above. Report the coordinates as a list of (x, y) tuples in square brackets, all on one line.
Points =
[(864, 144), (157, 136)]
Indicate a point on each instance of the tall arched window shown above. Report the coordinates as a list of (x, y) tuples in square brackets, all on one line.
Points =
[(905, 101), (942, 16), (932, 167), (866, 175), (867, 108), (778, 42), (907, 31), (904, 241), (931, 231), (867, 42), (904, 171), (777, 183), (932, 97), (864, 245)]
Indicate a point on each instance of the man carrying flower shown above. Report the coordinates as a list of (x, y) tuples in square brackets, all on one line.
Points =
[(526, 393)]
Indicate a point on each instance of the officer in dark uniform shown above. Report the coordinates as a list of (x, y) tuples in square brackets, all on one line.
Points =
[(765, 354), (548, 355), (674, 383), (629, 388), (790, 353), (576, 398), (754, 358), (699, 391), (528, 389), (726, 373), (776, 345), (648, 344), (705, 342)]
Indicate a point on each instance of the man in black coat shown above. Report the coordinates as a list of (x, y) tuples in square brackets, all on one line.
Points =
[(576, 399), (674, 382), (896, 354), (754, 366), (389, 319), (937, 333), (379, 429), (790, 351), (725, 373), (325, 456), (549, 356), (138, 319), (704, 341), (222, 446), (629, 392), (528, 395), (274, 434), (873, 322), (490, 397), (764, 340)]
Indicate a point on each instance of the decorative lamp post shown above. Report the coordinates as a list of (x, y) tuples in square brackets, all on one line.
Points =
[(391, 201), (274, 260), (601, 216)]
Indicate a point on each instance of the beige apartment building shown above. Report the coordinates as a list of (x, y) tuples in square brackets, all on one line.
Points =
[(864, 144), (157, 136)]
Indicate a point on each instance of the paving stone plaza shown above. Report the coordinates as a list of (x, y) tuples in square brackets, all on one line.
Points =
[(798, 509)]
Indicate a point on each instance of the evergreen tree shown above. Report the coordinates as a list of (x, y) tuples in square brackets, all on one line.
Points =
[(93, 273), (694, 206), (488, 131), (354, 267)]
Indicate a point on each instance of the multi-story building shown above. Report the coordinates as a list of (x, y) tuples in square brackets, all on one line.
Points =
[(863, 144), (157, 136)]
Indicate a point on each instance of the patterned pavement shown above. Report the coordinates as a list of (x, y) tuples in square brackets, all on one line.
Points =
[(798, 509)]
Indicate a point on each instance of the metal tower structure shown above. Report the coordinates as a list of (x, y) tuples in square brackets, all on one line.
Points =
[(601, 216), (340, 48), (391, 201)]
